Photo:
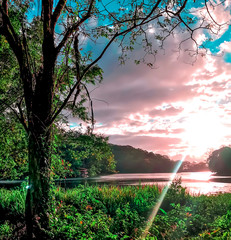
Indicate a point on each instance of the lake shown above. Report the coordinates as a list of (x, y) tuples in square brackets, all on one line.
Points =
[(195, 182)]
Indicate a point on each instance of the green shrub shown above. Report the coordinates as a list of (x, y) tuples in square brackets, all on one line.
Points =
[(5, 230), (111, 212)]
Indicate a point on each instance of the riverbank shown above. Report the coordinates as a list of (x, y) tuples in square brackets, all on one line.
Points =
[(111, 212)]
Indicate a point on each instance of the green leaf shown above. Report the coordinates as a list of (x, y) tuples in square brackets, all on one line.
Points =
[(162, 210)]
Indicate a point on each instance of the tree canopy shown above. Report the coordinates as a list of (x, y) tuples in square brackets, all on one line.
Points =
[(219, 161)]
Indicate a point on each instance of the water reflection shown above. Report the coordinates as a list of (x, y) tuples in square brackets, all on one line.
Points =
[(195, 182), (202, 176)]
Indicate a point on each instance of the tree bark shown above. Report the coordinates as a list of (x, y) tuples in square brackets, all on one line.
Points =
[(39, 184), (39, 126)]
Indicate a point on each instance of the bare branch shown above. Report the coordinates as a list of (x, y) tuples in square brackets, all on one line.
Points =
[(182, 7), (58, 10), (76, 95), (77, 56), (186, 25), (102, 53), (74, 28), (152, 11), (212, 16), (16, 114), (22, 118), (77, 64), (91, 105)]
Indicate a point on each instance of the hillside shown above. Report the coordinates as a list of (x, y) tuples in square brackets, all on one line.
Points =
[(134, 160)]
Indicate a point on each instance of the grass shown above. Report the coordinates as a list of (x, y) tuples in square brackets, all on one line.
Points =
[(111, 212)]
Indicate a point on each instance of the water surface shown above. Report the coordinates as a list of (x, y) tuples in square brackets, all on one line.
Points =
[(195, 182)]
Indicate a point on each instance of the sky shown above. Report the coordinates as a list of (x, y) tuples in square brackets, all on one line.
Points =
[(182, 106)]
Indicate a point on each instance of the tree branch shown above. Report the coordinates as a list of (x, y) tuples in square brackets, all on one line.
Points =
[(77, 64), (152, 11), (58, 10), (182, 8), (102, 53), (22, 118), (218, 24), (47, 6), (9, 32), (99, 57), (74, 28), (5, 6), (16, 114), (91, 104)]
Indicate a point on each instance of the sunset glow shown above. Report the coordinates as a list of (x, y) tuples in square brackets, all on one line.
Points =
[(203, 130), (200, 176), (181, 104)]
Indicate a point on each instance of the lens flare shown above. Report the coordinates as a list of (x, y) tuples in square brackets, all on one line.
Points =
[(161, 198)]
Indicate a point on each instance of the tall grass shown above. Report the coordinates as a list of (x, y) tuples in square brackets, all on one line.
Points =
[(112, 212)]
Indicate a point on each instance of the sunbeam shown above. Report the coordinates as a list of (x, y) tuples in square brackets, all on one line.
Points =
[(161, 198)]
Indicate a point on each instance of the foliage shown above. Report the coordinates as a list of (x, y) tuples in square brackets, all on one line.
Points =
[(6, 230), (70, 152), (176, 192), (219, 161), (13, 149), (111, 212), (133, 160), (89, 151)]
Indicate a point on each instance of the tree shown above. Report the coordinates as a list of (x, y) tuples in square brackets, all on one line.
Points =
[(219, 161), (55, 67), (13, 149), (86, 151)]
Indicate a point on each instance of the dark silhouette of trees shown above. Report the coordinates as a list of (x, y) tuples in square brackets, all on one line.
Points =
[(133, 160), (219, 161)]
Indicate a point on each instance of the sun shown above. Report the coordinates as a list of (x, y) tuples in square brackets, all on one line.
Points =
[(203, 130)]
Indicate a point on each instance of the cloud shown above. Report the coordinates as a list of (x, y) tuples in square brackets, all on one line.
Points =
[(165, 112), (145, 142), (154, 109)]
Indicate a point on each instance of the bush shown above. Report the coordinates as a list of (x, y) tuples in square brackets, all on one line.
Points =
[(111, 212)]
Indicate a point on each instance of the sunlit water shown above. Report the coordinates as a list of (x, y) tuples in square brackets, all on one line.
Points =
[(195, 182)]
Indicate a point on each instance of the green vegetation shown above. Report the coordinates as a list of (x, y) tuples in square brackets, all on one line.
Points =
[(70, 151), (13, 150), (88, 151), (135, 160), (111, 212), (219, 161)]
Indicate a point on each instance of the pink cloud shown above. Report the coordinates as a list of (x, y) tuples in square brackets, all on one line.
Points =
[(149, 108)]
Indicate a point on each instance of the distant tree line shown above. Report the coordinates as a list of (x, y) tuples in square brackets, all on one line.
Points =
[(135, 160)]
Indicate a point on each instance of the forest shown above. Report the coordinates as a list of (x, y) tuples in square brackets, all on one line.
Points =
[(52, 54)]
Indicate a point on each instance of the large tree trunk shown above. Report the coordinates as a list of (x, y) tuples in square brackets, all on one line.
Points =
[(39, 184), (39, 126)]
